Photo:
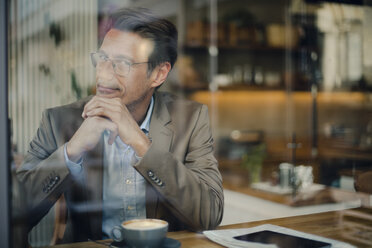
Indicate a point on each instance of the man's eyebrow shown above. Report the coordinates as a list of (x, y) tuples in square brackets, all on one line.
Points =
[(120, 56)]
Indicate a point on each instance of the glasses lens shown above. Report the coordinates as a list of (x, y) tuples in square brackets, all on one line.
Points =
[(93, 58), (98, 59), (121, 67)]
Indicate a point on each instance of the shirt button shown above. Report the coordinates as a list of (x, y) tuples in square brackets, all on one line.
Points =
[(128, 181)]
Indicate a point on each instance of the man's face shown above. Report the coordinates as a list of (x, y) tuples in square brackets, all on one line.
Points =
[(136, 85)]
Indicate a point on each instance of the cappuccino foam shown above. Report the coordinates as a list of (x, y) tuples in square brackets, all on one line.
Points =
[(143, 224)]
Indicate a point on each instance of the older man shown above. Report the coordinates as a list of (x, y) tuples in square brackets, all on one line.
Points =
[(130, 151)]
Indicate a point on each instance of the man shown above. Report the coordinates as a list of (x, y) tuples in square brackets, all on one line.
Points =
[(129, 151)]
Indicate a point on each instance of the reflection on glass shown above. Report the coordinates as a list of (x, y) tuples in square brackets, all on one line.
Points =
[(256, 81)]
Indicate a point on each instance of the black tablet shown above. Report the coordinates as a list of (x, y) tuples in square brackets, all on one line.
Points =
[(282, 240)]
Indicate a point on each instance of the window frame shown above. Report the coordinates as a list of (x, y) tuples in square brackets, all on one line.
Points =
[(5, 186)]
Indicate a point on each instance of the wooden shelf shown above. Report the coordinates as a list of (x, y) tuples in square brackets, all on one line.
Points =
[(339, 149), (247, 87), (249, 47)]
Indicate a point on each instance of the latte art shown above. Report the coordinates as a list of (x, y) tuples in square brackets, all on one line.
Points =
[(145, 224), (141, 232)]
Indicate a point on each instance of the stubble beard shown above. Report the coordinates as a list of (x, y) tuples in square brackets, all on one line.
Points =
[(132, 106)]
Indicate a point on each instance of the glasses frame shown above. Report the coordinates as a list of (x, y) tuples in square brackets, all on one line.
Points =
[(114, 63)]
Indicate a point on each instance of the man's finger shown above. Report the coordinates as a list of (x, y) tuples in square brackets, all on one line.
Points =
[(104, 104), (99, 111), (98, 101), (113, 129)]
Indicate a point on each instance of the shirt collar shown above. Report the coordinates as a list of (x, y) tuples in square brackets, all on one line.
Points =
[(145, 126)]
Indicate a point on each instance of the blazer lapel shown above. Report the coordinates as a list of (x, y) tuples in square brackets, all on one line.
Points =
[(161, 134)]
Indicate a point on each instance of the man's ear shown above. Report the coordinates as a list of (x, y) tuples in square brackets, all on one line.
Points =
[(160, 73)]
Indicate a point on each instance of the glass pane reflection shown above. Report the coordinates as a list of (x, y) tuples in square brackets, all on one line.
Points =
[(284, 81)]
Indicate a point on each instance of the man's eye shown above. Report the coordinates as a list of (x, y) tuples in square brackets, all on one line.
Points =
[(124, 62), (121, 64)]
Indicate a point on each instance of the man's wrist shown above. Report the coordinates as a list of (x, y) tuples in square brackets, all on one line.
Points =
[(73, 154), (74, 167), (141, 146)]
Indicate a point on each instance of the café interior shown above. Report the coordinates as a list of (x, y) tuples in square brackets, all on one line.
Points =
[(288, 87)]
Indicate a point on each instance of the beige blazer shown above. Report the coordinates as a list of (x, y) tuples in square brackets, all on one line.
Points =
[(184, 186)]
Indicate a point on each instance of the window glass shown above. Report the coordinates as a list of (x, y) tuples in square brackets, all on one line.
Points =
[(287, 85)]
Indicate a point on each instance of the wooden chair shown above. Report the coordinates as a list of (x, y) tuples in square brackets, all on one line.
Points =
[(60, 220), (363, 182)]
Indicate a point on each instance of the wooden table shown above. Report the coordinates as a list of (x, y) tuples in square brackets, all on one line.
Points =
[(351, 226)]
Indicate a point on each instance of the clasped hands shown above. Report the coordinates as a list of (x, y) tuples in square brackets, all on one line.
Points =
[(110, 114)]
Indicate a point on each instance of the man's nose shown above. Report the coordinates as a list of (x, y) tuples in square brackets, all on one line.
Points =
[(106, 70)]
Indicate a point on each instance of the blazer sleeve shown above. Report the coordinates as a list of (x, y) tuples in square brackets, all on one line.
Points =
[(44, 172), (191, 187)]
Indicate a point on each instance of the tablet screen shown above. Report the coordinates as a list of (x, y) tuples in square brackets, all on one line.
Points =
[(282, 240)]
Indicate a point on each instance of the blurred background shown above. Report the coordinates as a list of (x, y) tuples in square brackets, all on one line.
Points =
[(288, 85)]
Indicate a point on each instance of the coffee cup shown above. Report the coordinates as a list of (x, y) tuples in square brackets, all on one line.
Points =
[(141, 232)]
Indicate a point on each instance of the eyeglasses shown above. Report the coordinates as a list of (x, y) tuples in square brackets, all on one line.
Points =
[(120, 66)]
